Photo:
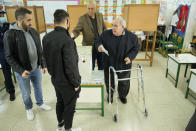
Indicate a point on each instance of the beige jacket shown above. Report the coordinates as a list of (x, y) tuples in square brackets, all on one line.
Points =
[(85, 26)]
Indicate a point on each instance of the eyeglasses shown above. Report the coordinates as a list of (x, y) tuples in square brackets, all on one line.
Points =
[(90, 8)]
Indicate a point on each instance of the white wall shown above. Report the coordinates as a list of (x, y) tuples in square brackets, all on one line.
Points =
[(190, 27), (172, 5), (195, 27), (50, 7)]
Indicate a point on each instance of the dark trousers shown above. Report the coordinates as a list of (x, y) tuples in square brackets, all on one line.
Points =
[(8, 76), (191, 125), (123, 86), (99, 57), (65, 106)]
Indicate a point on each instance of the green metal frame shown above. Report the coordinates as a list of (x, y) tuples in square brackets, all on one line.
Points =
[(178, 71), (186, 70), (176, 46), (102, 97), (163, 43), (187, 90), (170, 48)]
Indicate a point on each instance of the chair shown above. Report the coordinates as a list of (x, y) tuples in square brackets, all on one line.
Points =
[(173, 47), (163, 42)]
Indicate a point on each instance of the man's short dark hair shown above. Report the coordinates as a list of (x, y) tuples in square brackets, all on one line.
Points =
[(21, 12), (60, 15)]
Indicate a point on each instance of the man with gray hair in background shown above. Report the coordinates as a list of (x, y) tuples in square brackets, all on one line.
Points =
[(91, 25), (121, 47)]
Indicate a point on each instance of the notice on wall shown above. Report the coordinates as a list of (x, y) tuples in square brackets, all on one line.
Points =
[(50, 7)]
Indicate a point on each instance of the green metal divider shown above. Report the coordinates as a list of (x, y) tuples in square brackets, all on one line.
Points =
[(187, 91), (178, 71), (102, 97)]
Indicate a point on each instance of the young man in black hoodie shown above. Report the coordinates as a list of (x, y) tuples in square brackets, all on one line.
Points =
[(62, 62)]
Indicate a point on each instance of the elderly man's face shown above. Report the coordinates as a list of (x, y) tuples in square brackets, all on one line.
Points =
[(117, 28), (91, 9)]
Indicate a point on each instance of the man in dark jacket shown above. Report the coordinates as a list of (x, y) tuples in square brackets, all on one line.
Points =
[(24, 53), (62, 62), (4, 26), (121, 48)]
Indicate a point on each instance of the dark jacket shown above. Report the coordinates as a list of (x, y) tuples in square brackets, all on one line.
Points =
[(61, 58), (3, 29), (16, 52), (85, 26), (127, 46)]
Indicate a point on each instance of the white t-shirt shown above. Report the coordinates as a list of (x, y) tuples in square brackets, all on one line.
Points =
[(174, 20)]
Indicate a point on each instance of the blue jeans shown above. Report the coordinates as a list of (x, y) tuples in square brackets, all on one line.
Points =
[(24, 83)]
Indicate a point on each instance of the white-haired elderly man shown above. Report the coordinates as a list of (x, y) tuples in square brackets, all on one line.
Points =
[(122, 46)]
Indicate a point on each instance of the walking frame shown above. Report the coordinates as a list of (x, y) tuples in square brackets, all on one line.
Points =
[(116, 80)]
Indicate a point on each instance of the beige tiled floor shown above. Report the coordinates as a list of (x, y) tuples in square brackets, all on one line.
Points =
[(168, 109)]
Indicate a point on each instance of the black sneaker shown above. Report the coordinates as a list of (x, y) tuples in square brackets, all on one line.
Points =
[(111, 99), (12, 97), (123, 100)]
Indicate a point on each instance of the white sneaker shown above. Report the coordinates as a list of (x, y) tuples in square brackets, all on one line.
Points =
[(60, 128), (76, 129), (30, 115), (45, 107)]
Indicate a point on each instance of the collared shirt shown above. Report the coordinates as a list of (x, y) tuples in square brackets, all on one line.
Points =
[(94, 23)]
